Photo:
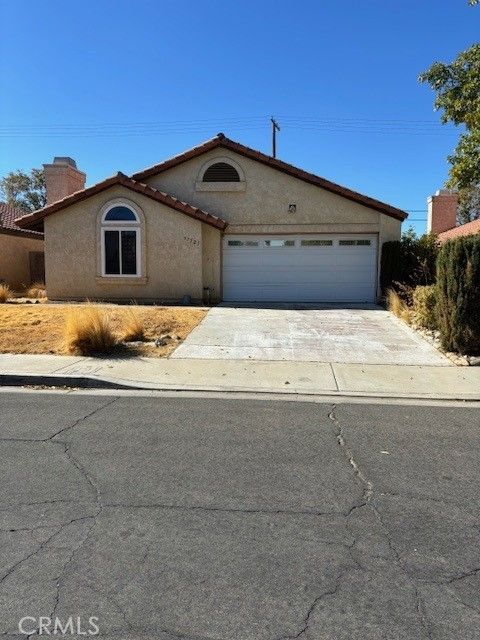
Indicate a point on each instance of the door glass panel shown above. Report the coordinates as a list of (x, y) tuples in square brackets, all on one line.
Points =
[(243, 243), (129, 252), (317, 243), (279, 243), (112, 253), (352, 243)]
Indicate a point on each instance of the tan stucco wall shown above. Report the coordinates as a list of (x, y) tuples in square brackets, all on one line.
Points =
[(172, 252), (262, 207), (15, 260), (211, 261)]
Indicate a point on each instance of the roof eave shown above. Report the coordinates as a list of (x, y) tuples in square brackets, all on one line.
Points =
[(35, 220), (223, 142)]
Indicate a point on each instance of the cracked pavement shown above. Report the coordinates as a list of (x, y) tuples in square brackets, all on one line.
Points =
[(201, 518)]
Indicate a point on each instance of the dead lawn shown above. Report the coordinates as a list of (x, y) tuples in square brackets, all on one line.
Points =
[(39, 328)]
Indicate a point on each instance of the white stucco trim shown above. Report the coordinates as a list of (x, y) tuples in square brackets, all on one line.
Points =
[(121, 202), (220, 186)]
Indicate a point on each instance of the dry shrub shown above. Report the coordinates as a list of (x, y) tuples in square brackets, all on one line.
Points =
[(398, 306), (424, 307), (5, 292), (405, 292), (88, 331), (134, 328), (36, 290)]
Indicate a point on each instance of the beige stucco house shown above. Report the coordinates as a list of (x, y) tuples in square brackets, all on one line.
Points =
[(220, 221), (21, 251)]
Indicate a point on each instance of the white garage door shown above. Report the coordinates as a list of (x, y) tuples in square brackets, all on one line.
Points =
[(323, 268)]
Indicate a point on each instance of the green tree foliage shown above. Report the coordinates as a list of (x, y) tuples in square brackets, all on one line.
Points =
[(24, 191), (458, 295), (457, 89), (468, 205), (409, 262)]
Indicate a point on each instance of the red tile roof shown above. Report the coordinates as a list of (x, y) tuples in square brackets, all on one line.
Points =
[(468, 229), (35, 220), (221, 141), (8, 215)]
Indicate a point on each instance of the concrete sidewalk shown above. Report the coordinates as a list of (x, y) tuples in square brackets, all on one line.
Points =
[(322, 378)]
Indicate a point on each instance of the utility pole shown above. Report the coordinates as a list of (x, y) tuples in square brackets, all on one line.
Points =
[(275, 128)]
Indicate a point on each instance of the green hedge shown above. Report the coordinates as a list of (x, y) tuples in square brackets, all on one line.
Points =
[(458, 295), (390, 264), (409, 262)]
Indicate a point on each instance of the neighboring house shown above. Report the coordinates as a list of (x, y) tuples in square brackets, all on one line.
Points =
[(442, 217), (21, 251), (218, 220)]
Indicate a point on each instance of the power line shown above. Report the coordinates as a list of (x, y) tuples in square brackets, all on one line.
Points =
[(237, 123)]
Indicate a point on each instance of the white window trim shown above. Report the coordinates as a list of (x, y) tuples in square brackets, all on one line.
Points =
[(122, 225), (138, 273)]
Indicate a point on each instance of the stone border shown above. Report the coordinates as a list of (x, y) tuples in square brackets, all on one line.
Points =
[(433, 337)]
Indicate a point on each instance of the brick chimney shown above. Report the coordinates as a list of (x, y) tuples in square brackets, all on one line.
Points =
[(442, 211), (62, 178)]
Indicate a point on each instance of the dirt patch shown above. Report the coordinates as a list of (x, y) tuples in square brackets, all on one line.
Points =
[(39, 328)]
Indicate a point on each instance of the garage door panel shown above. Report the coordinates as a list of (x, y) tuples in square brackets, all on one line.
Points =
[(292, 259), (299, 275), (304, 272), (306, 293)]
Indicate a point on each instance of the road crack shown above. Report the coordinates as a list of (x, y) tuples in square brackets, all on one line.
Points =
[(93, 487), (368, 501)]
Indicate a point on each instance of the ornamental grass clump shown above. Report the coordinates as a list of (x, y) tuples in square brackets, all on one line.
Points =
[(5, 293), (398, 306), (88, 331), (134, 327), (36, 290)]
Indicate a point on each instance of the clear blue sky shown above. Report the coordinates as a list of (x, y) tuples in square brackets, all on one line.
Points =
[(121, 85)]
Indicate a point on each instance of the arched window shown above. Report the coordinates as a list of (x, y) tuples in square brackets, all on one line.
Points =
[(120, 214), (120, 241), (221, 172)]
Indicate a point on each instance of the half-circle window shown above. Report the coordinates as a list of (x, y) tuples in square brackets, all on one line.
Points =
[(120, 214), (221, 172)]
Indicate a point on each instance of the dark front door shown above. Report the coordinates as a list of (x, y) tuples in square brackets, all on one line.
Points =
[(37, 266)]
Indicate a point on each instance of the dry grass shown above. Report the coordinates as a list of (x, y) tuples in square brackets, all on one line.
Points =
[(88, 331), (5, 292), (398, 307), (36, 290), (39, 328), (134, 328)]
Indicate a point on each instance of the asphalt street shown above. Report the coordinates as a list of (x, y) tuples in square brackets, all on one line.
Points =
[(239, 519)]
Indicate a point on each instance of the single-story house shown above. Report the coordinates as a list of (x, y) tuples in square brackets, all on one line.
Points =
[(21, 251), (442, 217), (219, 221)]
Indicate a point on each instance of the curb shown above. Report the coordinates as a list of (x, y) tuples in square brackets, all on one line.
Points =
[(82, 382), (86, 382)]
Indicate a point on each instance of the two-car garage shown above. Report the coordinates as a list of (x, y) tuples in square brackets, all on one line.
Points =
[(300, 268)]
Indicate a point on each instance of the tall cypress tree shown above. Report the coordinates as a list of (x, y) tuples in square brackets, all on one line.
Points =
[(458, 300)]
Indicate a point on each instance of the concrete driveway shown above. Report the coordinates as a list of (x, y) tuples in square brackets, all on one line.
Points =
[(365, 335)]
